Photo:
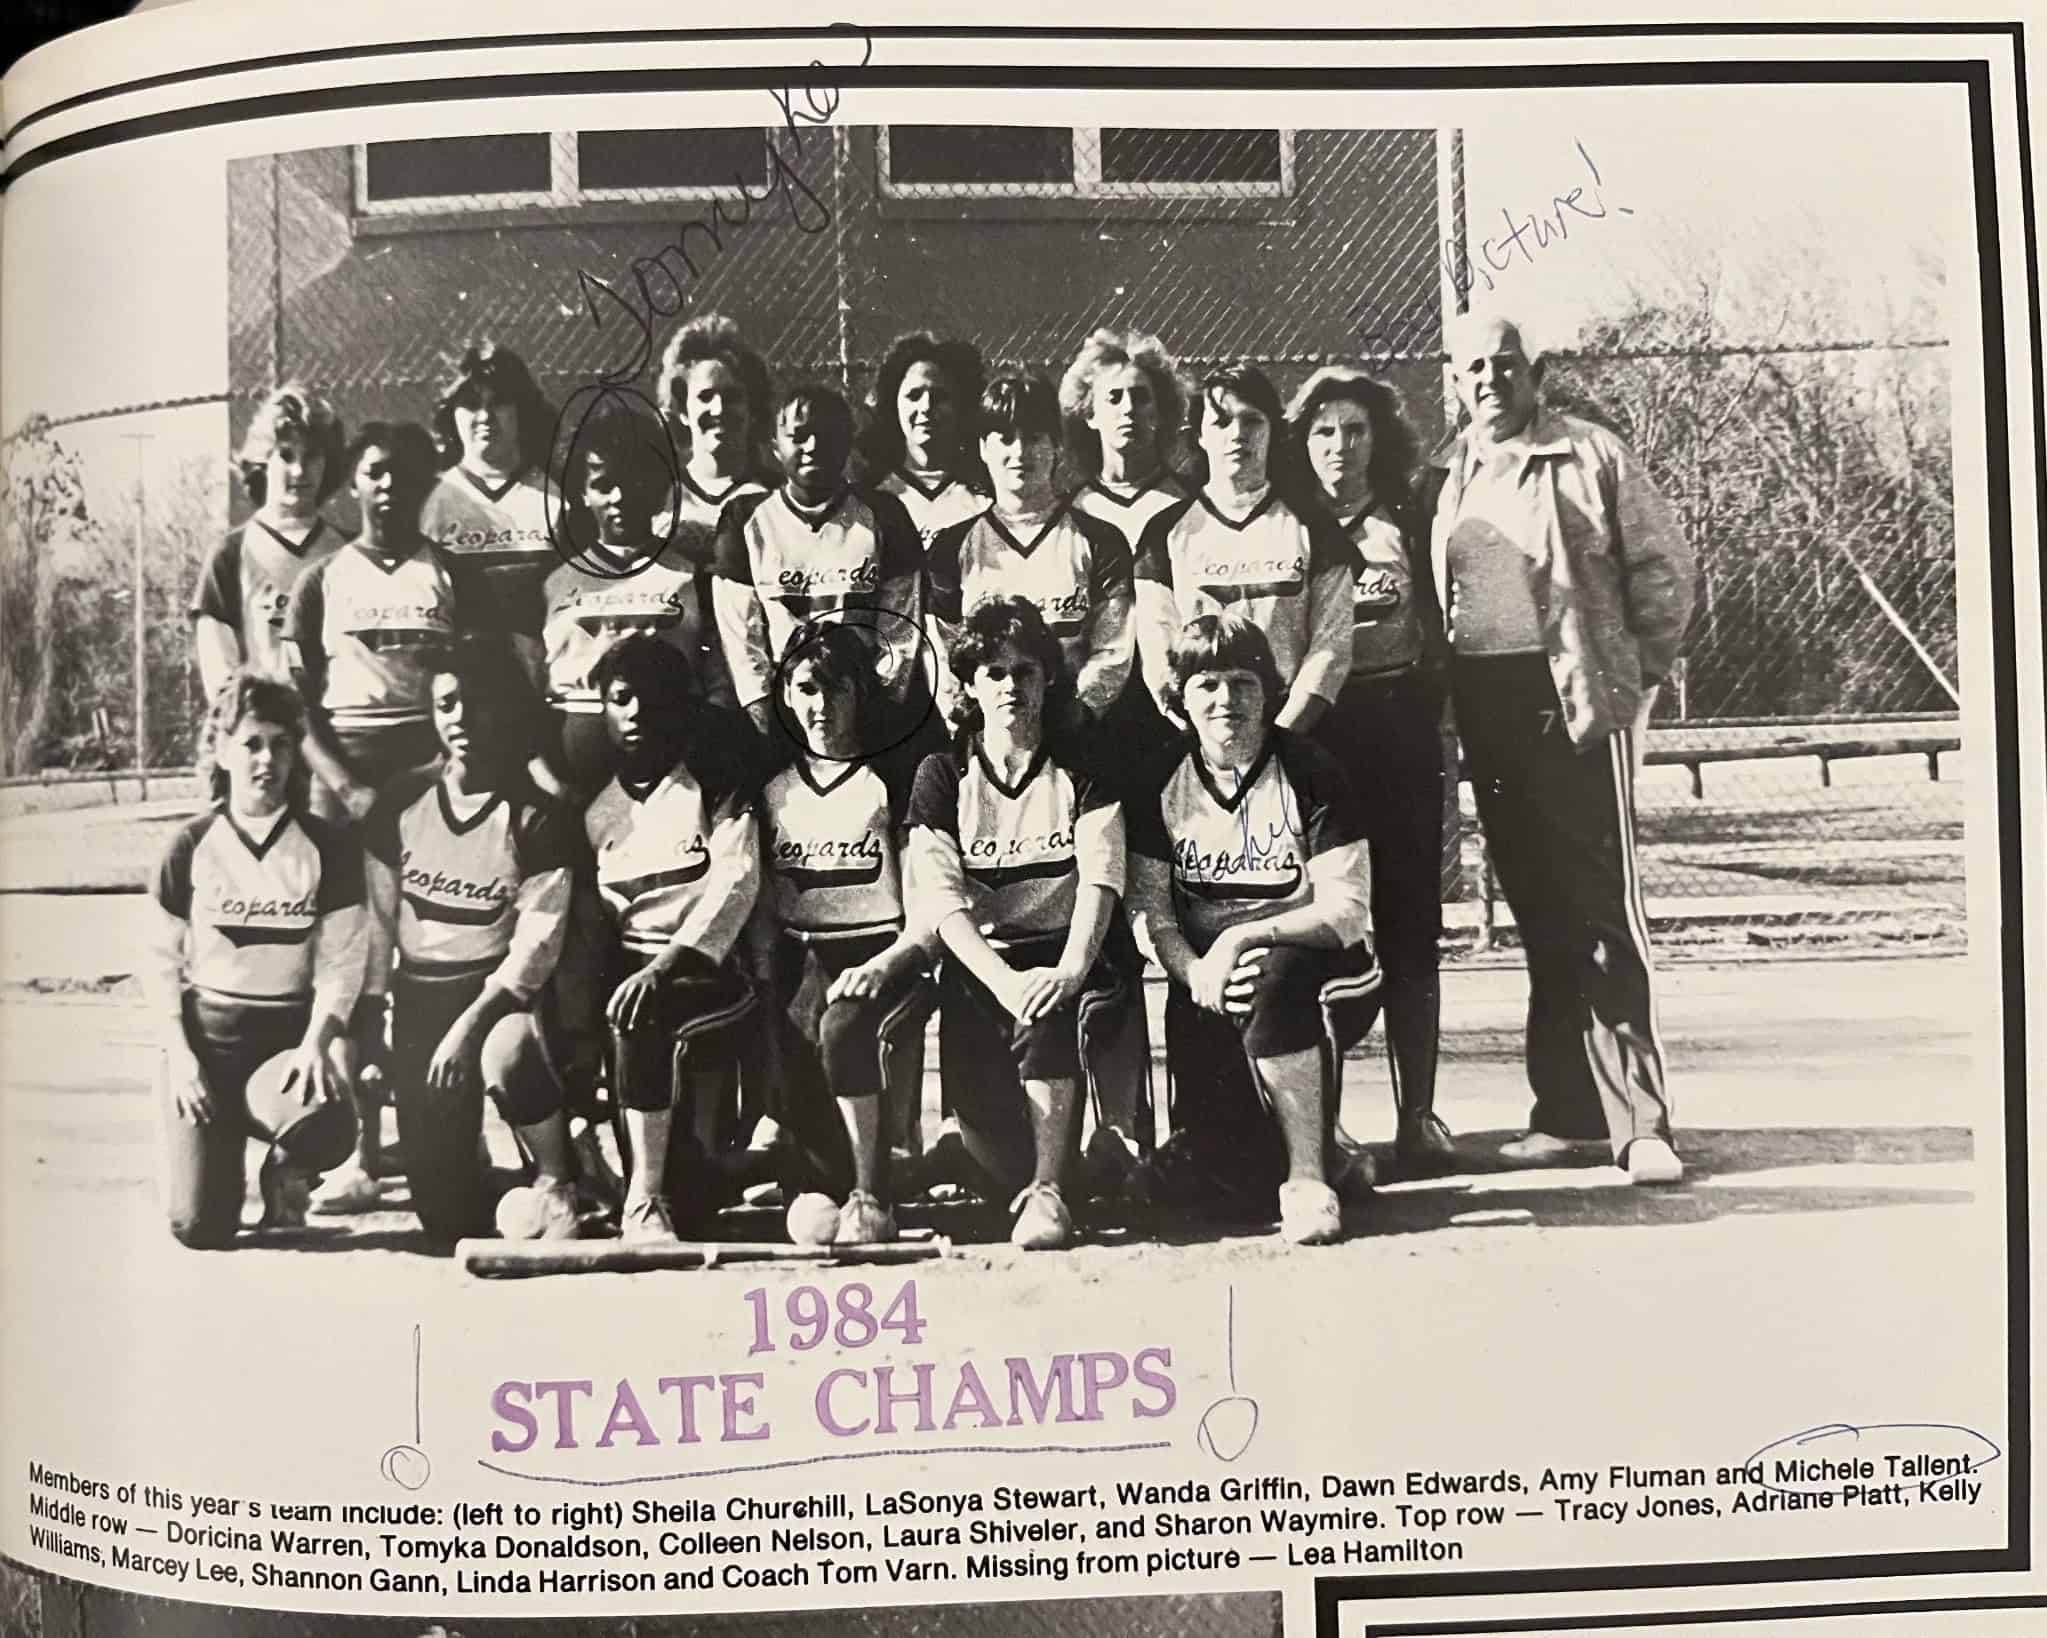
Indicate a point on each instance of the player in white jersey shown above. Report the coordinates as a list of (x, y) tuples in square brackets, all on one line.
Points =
[(678, 867), (1249, 542), (714, 392), (1385, 726), (817, 547), (365, 627), (1029, 543), (1016, 860), (469, 873), (258, 950), (845, 980), (917, 444), (490, 510), (620, 580), (289, 463), (1250, 884)]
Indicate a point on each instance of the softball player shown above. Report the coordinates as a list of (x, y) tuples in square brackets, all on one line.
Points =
[(1030, 544), (1016, 860), (258, 950), (678, 868), (916, 444), (846, 980), (1384, 727), (1242, 544), (817, 546), (622, 580), (1249, 881), (289, 463), (1120, 405), (489, 510), (469, 875), (714, 393)]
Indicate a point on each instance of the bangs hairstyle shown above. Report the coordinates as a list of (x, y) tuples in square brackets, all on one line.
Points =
[(410, 444), (1110, 350), (712, 337), (958, 364), (1254, 387), (1222, 642), (824, 404), (296, 412), (505, 373), (492, 674), (1019, 405), (1396, 451), (1015, 622), (660, 676), (267, 699), (635, 451), (839, 655)]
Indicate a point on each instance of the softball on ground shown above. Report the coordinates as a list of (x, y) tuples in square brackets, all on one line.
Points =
[(813, 1219)]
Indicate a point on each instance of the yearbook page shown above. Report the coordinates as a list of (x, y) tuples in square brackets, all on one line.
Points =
[(1097, 825)]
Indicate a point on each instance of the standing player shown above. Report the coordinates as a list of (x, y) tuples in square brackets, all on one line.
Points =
[(817, 547), (289, 463), (678, 866), (258, 950), (1030, 544), (714, 393), (621, 581), (489, 511), (844, 977), (915, 445), (1384, 728), (1016, 859), (1249, 545), (469, 880), (1249, 882), (1121, 407), (362, 636)]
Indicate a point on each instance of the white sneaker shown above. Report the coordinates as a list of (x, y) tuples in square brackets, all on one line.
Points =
[(1651, 1160), (1541, 1149), (1042, 1221), (1308, 1213), (347, 1191), (646, 1220), (864, 1221)]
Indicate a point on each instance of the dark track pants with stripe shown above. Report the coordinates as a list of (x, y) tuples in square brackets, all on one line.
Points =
[(1560, 829)]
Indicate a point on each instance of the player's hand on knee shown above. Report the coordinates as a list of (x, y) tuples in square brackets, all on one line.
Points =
[(187, 1084), (1051, 988), (633, 1001), (311, 1076), (453, 1065), (1240, 989)]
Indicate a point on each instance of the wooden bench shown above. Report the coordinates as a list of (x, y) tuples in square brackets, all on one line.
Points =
[(1828, 749)]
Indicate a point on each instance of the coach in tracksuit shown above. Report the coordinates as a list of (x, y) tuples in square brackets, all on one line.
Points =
[(1568, 584)]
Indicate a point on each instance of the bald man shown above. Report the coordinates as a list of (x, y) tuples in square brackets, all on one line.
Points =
[(1568, 586)]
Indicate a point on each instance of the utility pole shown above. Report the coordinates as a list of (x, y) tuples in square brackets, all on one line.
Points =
[(139, 439)]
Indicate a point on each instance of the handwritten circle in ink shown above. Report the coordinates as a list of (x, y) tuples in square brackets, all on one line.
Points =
[(897, 647), (1916, 1453), (654, 470)]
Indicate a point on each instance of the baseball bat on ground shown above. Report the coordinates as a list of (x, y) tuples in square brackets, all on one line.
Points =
[(522, 1259)]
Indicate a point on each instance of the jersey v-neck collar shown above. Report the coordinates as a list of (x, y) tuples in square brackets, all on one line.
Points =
[(1051, 522), (1158, 481), (1251, 776), (258, 849), (813, 521), (455, 823), (1239, 524), (849, 769), (1031, 770), (299, 547), (485, 490)]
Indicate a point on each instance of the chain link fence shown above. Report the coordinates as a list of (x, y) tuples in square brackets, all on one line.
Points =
[(1812, 477)]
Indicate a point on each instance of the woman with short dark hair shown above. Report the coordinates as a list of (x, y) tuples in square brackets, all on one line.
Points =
[(1016, 861)]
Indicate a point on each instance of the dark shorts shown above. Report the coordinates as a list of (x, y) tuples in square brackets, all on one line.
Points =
[(422, 1010), (700, 1020), (1305, 998), (840, 1048), (375, 756), (985, 1055)]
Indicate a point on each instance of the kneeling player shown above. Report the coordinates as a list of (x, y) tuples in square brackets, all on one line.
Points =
[(846, 979), (1016, 859), (259, 951), (470, 874), (678, 868), (1250, 881)]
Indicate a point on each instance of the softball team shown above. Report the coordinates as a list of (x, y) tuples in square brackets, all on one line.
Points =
[(760, 737)]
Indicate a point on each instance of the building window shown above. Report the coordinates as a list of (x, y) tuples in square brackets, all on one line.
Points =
[(1083, 162), (449, 175)]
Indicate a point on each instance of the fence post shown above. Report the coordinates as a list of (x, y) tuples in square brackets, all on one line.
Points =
[(139, 439)]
